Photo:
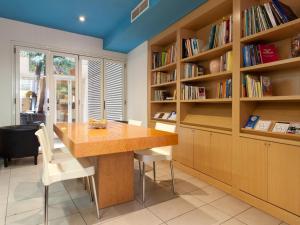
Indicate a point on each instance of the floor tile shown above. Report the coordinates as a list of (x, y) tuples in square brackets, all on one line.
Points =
[(255, 216), (233, 222), (197, 182), (143, 216), (2, 210), (208, 194), (205, 215), (18, 207), (75, 219), (185, 187), (173, 208), (230, 205)]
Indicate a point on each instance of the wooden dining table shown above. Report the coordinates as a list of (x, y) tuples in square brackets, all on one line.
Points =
[(112, 150)]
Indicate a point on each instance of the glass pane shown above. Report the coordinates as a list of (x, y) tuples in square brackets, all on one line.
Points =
[(32, 87), (63, 65), (62, 101)]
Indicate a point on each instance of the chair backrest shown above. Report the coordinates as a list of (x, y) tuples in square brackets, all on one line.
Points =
[(165, 127), (135, 122), (47, 140), (43, 144)]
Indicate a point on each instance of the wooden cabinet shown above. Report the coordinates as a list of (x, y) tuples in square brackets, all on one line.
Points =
[(202, 151), (220, 156), (253, 159), (284, 176), (185, 152)]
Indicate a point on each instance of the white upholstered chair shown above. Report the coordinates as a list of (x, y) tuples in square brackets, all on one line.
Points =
[(156, 154), (62, 170)]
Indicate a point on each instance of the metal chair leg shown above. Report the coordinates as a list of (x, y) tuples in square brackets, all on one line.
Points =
[(154, 172), (46, 206), (140, 168), (95, 196), (89, 188), (172, 175), (143, 184)]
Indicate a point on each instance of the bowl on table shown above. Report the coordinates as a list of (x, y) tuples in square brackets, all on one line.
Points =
[(97, 124)]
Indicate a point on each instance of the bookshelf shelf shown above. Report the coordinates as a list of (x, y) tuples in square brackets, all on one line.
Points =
[(280, 32), (206, 77), (292, 98), (210, 54), (167, 67), (295, 137), (162, 120), (222, 126), (164, 84), (278, 65), (163, 102), (213, 100)]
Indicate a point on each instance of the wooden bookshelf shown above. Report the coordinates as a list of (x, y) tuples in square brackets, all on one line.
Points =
[(213, 76), (209, 54), (208, 126), (162, 120)]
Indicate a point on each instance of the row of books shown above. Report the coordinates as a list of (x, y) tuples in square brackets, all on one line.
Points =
[(255, 54), (254, 122), (192, 92), (191, 46), (226, 62), (164, 57), (220, 33), (163, 95), (256, 86), (162, 77), (165, 115), (224, 89), (192, 70), (262, 17)]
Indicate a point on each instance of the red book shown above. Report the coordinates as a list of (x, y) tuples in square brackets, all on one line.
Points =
[(268, 53)]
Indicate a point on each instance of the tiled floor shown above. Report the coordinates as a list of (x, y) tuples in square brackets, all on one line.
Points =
[(21, 201)]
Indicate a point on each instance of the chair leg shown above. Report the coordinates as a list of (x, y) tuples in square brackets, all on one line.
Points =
[(143, 184), (172, 175), (46, 206), (35, 159), (140, 168), (154, 171), (5, 162), (95, 196), (89, 188)]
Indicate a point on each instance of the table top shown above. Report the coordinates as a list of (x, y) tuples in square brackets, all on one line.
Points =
[(116, 138)]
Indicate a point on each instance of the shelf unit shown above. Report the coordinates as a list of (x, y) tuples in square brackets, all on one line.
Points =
[(200, 118)]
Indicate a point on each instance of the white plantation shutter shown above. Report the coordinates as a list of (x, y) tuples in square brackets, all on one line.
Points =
[(114, 77), (95, 88)]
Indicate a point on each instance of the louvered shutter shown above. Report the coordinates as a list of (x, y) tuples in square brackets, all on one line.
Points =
[(114, 77)]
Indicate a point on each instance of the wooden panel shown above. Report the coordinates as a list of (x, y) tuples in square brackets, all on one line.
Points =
[(220, 157), (115, 183), (185, 153), (201, 151), (253, 159), (284, 177), (116, 138)]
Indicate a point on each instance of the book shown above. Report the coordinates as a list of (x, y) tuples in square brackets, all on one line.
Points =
[(281, 127), (172, 116), (263, 125), (294, 128), (268, 53), (252, 122), (189, 92), (266, 86), (158, 115), (166, 115), (165, 57)]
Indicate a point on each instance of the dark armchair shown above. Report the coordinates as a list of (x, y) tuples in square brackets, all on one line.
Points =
[(18, 142)]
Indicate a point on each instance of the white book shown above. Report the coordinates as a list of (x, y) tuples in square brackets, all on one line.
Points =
[(270, 14), (263, 125), (281, 127)]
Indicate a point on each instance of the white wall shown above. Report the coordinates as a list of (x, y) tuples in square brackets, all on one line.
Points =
[(137, 83), (12, 32)]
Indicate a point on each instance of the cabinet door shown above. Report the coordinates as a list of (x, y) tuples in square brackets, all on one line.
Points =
[(201, 151), (284, 177), (185, 151), (253, 159), (220, 157)]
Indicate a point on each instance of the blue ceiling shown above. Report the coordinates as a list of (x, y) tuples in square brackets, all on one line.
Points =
[(106, 19)]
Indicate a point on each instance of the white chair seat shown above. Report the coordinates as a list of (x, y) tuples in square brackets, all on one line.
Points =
[(152, 155), (61, 154)]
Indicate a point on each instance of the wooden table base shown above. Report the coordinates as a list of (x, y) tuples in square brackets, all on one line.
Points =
[(115, 179)]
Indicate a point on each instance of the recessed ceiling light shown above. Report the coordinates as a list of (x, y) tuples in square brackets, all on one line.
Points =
[(81, 18)]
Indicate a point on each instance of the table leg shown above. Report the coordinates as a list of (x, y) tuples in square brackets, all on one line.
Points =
[(115, 179)]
